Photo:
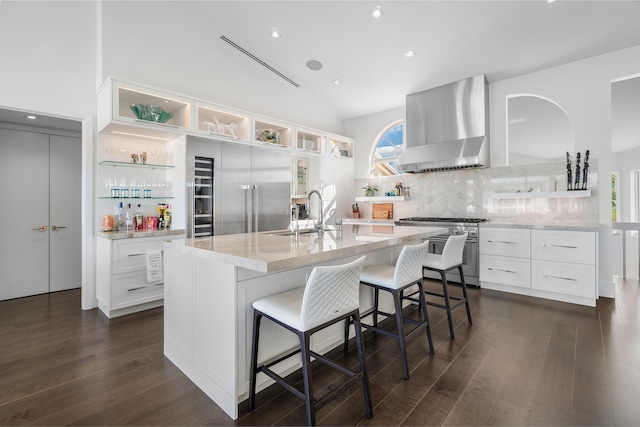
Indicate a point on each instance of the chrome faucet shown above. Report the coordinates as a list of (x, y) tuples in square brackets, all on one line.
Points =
[(319, 224)]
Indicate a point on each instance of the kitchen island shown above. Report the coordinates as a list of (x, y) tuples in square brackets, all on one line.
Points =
[(211, 283)]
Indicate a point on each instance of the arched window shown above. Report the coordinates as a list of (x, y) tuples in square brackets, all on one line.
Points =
[(386, 150)]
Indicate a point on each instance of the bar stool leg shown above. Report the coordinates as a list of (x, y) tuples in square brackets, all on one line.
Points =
[(365, 376), (376, 300), (447, 303), (307, 378), (403, 350), (423, 304), (464, 293), (257, 316)]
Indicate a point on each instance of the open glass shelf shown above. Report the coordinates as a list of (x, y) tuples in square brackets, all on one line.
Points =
[(135, 165)]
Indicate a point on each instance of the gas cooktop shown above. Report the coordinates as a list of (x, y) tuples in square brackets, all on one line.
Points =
[(435, 219)]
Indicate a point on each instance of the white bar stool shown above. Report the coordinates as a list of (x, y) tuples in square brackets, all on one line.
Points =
[(332, 295), (450, 259), (395, 279)]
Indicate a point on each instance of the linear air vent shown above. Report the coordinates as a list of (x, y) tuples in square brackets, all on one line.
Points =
[(258, 60)]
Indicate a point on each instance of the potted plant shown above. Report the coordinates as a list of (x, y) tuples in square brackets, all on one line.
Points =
[(369, 189)]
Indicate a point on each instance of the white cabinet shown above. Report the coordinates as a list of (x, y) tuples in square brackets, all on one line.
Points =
[(564, 262), (505, 257), (121, 275), (124, 106), (552, 264)]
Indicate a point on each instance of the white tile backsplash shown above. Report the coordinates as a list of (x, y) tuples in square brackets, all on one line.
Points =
[(467, 193)]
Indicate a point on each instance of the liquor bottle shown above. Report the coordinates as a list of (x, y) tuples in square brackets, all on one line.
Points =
[(119, 217), (138, 220), (128, 218)]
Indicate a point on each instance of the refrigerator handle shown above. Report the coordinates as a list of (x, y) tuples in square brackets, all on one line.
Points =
[(256, 212), (191, 197), (248, 207)]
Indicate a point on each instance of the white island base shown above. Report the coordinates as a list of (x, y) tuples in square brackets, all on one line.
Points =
[(210, 288)]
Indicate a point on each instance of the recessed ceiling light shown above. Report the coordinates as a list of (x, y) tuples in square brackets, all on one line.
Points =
[(275, 33), (337, 82), (377, 12), (314, 65), (550, 1), (31, 117), (410, 53)]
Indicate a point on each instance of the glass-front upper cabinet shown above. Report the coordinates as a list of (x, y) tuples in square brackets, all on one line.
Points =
[(300, 177), (218, 121), (120, 102)]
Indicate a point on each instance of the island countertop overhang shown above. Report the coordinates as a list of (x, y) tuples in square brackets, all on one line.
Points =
[(267, 252)]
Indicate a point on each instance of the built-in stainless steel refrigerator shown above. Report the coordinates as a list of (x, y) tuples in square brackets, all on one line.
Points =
[(251, 186)]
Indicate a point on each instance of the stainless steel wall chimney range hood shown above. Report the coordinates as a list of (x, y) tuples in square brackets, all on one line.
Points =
[(447, 127)]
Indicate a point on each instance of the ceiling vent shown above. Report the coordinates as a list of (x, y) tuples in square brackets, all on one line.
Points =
[(258, 60)]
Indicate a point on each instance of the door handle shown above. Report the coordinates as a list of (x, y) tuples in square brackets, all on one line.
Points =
[(57, 227), (40, 228)]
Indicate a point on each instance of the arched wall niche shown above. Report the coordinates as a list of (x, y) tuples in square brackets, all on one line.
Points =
[(538, 130)]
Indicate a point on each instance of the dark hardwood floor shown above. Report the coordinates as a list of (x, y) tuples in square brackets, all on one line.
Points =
[(524, 361)]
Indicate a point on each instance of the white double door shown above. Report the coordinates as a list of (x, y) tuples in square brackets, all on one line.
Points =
[(40, 215)]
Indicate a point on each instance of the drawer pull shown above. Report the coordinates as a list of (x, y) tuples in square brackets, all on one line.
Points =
[(142, 254), (143, 287), (559, 246), (501, 241), (551, 276), (500, 269)]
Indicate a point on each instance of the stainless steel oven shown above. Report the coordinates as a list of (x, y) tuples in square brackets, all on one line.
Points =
[(470, 255)]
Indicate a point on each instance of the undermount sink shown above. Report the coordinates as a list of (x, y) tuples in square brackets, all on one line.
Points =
[(293, 233)]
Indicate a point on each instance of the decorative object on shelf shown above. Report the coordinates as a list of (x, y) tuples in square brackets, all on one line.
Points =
[(585, 170), (268, 135), (134, 158), (369, 190), (308, 145), (576, 185), (108, 223), (355, 210), (569, 180), (150, 113), (220, 128), (143, 157), (344, 153)]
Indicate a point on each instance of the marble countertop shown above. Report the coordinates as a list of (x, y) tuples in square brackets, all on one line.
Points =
[(542, 226), (269, 252), (116, 235)]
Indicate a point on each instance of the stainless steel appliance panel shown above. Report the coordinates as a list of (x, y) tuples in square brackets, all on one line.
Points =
[(235, 206), (252, 185), (271, 178), (447, 113), (205, 148)]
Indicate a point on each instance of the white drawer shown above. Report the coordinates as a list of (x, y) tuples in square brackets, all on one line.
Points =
[(132, 289), (560, 277), (512, 242), (505, 270), (130, 255), (569, 246)]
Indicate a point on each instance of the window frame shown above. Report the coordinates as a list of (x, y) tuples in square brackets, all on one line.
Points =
[(379, 166)]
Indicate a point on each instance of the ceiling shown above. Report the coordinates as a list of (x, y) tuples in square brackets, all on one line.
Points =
[(40, 121), (452, 40)]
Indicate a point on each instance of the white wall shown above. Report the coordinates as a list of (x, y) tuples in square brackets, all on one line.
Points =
[(366, 130), (582, 88), (48, 52)]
